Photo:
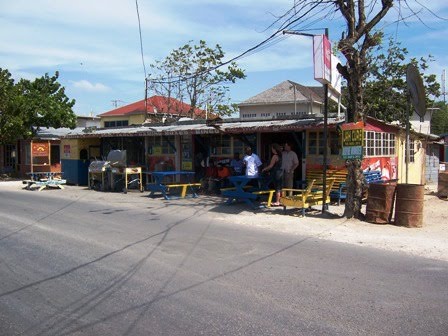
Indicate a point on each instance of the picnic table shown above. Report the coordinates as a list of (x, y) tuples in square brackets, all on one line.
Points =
[(240, 192), (44, 180), (162, 186)]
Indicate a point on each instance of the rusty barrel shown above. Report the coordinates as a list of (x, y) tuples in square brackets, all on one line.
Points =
[(409, 205), (380, 201)]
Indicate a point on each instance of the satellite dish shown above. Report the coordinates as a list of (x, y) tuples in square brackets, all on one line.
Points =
[(416, 90)]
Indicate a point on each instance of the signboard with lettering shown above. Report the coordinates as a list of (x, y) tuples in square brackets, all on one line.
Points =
[(352, 140), (40, 149)]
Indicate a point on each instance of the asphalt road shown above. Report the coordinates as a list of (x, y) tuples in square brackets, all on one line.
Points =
[(78, 262)]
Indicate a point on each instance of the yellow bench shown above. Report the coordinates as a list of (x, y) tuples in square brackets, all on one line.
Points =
[(305, 198), (184, 187), (339, 176), (270, 194)]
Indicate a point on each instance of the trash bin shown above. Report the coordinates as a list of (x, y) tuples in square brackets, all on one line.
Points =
[(380, 201), (409, 205)]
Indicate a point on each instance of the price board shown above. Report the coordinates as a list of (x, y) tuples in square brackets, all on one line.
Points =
[(352, 140)]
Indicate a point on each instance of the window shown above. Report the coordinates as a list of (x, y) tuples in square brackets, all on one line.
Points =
[(10, 156), (281, 114), (265, 115), (249, 115), (369, 147), (161, 145), (411, 150), (221, 145), (301, 113), (335, 143), (315, 143), (379, 144), (116, 123)]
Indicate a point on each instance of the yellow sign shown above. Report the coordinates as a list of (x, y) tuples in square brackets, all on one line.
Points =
[(157, 150), (353, 137), (187, 165), (352, 140)]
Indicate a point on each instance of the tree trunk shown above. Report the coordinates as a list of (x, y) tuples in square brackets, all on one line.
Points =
[(355, 189)]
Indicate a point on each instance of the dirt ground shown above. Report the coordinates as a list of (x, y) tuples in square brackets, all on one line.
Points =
[(429, 241)]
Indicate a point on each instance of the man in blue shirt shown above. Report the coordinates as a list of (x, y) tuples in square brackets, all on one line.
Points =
[(236, 164)]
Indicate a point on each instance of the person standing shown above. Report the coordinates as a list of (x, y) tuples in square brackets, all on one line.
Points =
[(276, 171), (252, 162), (236, 164), (289, 164)]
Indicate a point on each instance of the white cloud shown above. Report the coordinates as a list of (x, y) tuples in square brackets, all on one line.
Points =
[(91, 87), (96, 47)]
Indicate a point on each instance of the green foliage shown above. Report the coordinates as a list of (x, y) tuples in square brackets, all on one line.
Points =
[(196, 75), (439, 120), (385, 88), (28, 104)]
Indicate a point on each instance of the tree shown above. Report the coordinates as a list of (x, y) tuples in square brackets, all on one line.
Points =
[(27, 105), (439, 121), (195, 73), (360, 35), (386, 89)]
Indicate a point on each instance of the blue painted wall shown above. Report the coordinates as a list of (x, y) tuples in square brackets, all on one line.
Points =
[(75, 171)]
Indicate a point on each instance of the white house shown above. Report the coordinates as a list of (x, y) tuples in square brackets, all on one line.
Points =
[(285, 100)]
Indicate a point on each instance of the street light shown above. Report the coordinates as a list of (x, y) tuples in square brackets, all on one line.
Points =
[(324, 178)]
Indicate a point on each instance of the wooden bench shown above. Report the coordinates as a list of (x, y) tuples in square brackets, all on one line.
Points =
[(44, 183), (339, 176), (184, 187), (270, 194), (306, 198), (373, 176)]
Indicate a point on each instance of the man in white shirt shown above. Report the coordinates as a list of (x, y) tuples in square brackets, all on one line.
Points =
[(289, 164), (252, 162)]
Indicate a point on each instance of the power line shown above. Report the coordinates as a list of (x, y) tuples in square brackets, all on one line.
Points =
[(141, 40), (305, 14)]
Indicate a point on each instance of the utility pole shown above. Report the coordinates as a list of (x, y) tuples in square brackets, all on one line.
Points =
[(324, 163), (146, 98), (324, 204), (443, 85)]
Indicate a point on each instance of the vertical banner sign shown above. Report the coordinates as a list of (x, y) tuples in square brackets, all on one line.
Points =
[(352, 140), (322, 59)]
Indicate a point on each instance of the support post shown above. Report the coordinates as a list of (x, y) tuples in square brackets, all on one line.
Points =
[(324, 179), (408, 145)]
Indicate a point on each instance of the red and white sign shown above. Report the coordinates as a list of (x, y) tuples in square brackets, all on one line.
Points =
[(322, 59)]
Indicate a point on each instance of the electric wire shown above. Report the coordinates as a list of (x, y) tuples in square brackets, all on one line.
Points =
[(141, 40), (285, 25)]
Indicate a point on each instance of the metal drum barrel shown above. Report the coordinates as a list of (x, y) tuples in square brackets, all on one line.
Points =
[(409, 205), (380, 201)]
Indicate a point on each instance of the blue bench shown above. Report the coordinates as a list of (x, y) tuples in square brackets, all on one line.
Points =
[(372, 176)]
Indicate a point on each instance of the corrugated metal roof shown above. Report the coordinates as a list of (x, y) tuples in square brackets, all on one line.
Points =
[(270, 125), (50, 133), (231, 127)]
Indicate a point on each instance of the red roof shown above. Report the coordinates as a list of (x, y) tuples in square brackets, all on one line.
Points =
[(161, 105)]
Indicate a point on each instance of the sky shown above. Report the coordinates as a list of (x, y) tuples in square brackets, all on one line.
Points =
[(95, 45)]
